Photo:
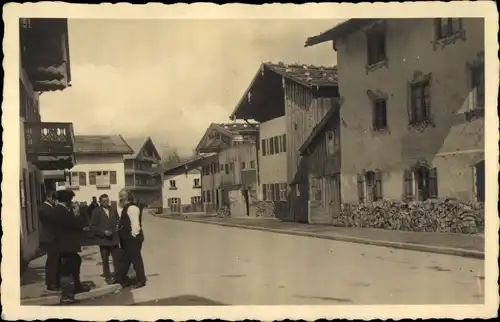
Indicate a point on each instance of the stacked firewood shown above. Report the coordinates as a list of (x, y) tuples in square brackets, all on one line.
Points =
[(450, 216), (265, 209)]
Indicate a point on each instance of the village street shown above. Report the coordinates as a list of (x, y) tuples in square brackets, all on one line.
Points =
[(199, 264)]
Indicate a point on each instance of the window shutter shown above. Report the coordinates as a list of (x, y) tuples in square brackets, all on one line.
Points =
[(409, 94), (82, 178), (361, 188), (112, 177), (284, 142), (407, 185), (264, 191), (263, 147), (271, 146), (378, 185), (276, 145), (433, 189), (92, 178)]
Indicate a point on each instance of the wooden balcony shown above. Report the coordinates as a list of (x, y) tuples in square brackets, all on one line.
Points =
[(49, 145), (143, 186), (147, 171)]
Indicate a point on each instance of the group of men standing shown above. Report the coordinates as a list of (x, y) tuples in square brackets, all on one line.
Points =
[(118, 232)]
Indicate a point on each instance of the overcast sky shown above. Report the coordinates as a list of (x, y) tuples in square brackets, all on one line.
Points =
[(169, 79)]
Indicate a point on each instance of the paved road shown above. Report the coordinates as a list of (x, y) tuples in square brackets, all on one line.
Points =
[(199, 264)]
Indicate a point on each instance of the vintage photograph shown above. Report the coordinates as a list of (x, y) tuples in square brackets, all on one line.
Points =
[(223, 162)]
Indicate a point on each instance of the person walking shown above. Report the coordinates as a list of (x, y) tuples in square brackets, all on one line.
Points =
[(48, 241), (68, 228), (129, 229), (90, 209), (103, 223)]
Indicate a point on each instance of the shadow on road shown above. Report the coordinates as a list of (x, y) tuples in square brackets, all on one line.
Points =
[(125, 297)]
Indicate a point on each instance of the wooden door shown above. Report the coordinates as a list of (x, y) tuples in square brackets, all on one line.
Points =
[(334, 196)]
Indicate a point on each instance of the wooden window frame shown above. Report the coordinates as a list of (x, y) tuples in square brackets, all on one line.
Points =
[(263, 147), (376, 57), (271, 146), (172, 185), (103, 180), (330, 142), (276, 144), (448, 27), (379, 114), (423, 107), (283, 194)]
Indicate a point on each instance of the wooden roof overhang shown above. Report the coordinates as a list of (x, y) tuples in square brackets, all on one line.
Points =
[(44, 48), (341, 30), (264, 99), (189, 165), (217, 144)]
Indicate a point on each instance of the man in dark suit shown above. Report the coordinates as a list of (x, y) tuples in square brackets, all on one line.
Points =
[(90, 209), (131, 238), (48, 242), (103, 223), (68, 230)]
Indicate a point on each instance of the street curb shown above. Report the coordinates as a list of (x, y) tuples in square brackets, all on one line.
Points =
[(407, 246), (54, 299)]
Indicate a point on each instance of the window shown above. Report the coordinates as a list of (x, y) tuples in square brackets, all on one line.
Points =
[(276, 144), (317, 190), (379, 114), (276, 192), (78, 179), (263, 147), (226, 167), (252, 164), (195, 200), (420, 184), (420, 102), (172, 184), (447, 27), (373, 185), (231, 166), (283, 191), (284, 142), (196, 182), (330, 145), (268, 192), (479, 182), (280, 143), (271, 146), (376, 46), (243, 165), (208, 196), (173, 201), (103, 179), (477, 84)]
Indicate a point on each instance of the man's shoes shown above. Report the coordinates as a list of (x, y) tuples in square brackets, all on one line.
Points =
[(81, 288), (139, 285), (53, 288), (68, 300)]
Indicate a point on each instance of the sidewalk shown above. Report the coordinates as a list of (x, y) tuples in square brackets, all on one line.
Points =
[(33, 291), (441, 243)]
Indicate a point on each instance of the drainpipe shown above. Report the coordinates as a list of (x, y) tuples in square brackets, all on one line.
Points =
[(257, 143)]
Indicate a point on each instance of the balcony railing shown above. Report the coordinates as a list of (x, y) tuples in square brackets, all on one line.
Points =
[(48, 142), (143, 186), (150, 171)]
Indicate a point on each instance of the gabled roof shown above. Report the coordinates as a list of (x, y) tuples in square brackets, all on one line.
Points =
[(318, 129), (229, 129), (305, 75), (101, 144), (137, 144), (340, 30), (188, 164)]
